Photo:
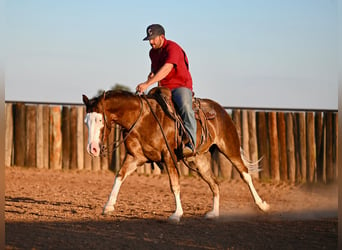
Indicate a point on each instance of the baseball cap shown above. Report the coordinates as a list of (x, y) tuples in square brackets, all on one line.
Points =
[(154, 30)]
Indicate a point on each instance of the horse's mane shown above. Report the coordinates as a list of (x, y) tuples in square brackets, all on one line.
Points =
[(112, 93), (108, 94)]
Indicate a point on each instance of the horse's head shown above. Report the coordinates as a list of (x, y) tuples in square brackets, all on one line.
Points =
[(96, 124)]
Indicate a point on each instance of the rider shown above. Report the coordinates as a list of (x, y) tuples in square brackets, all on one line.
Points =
[(170, 68)]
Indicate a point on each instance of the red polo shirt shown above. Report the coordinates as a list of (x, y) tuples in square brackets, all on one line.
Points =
[(171, 52)]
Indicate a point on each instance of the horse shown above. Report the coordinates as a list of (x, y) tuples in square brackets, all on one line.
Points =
[(149, 136)]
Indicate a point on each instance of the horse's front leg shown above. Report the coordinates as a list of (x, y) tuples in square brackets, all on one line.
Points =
[(128, 167), (175, 188), (202, 165)]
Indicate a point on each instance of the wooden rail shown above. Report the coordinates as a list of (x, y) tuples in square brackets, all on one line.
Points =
[(295, 146)]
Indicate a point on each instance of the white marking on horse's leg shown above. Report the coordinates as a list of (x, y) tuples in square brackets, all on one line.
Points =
[(260, 203), (109, 207), (128, 167), (216, 208), (175, 217)]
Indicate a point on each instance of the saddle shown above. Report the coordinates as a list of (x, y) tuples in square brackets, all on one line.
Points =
[(203, 112)]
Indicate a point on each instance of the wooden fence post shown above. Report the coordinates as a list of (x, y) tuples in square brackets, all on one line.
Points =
[(311, 149), (302, 146), (236, 117), (336, 142), (274, 149), (148, 168), (104, 162), (79, 138), (31, 122), (141, 169), (55, 138), (329, 148), (157, 170), (96, 163), (319, 136), (245, 133), (263, 146), (253, 141), (282, 145), (291, 155), (9, 134), (73, 135), (19, 134), (65, 137), (46, 136), (224, 166), (40, 137)]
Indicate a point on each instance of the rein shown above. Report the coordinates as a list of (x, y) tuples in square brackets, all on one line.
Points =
[(119, 142), (162, 130)]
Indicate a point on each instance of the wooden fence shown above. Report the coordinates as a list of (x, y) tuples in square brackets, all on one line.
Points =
[(295, 146)]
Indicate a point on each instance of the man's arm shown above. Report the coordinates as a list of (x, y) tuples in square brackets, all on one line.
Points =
[(160, 75)]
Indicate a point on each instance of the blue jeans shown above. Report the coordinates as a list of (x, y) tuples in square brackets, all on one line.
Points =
[(182, 98)]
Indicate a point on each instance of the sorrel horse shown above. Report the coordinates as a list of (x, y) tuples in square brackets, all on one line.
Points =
[(145, 142)]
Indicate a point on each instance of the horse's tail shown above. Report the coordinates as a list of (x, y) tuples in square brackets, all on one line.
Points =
[(253, 167)]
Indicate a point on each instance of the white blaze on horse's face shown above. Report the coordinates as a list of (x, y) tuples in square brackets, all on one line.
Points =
[(94, 122)]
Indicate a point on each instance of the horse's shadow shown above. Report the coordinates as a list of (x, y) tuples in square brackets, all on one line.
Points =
[(115, 232)]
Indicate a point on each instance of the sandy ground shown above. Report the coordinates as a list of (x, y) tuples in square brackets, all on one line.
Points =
[(48, 209)]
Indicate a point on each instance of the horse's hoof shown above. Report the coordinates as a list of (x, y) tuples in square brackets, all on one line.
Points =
[(264, 206), (174, 218), (211, 215), (108, 210)]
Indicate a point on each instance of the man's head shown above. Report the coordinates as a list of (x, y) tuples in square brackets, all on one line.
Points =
[(155, 35)]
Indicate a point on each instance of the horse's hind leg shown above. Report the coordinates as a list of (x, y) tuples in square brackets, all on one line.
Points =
[(127, 168), (231, 149), (203, 167), (238, 162)]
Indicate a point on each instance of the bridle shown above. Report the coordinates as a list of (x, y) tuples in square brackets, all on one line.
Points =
[(117, 143)]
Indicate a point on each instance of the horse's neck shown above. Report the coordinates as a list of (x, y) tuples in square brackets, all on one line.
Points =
[(123, 110)]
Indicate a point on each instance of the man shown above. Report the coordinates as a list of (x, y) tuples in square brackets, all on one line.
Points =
[(170, 68)]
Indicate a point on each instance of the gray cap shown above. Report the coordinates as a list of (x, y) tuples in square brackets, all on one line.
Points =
[(154, 30)]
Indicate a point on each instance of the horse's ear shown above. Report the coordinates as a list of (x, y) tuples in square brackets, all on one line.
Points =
[(85, 99)]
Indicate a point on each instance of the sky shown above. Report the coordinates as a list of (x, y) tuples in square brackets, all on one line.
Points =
[(251, 53)]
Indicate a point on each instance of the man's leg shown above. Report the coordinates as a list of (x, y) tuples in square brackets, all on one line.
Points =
[(182, 97)]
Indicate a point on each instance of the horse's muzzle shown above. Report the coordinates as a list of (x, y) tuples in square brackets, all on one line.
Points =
[(94, 149)]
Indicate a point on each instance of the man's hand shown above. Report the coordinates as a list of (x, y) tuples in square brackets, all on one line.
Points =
[(141, 88), (153, 78)]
